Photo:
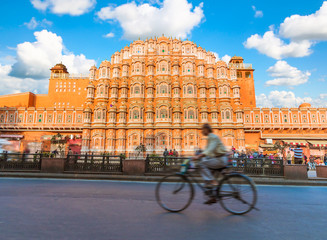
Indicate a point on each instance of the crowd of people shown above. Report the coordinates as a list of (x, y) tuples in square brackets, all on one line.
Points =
[(170, 153), (255, 154)]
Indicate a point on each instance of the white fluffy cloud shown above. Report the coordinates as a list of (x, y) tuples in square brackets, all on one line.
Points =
[(272, 46), (71, 7), (33, 23), (226, 58), (109, 35), (288, 99), (301, 31), (310, 27), (257, 13), (174, 18), (11, 84), (286, 75), (34, 59)]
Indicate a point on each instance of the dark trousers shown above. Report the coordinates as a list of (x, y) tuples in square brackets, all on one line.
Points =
[(298, 160)]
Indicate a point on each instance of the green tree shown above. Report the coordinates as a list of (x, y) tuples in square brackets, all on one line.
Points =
[(59, 140), (281, 146), (140, 149)]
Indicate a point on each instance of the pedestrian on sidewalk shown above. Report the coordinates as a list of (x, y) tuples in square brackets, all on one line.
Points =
[(298, 154), (325, 159), (170, 154), (289, 157), (175, 153), (165, 153)]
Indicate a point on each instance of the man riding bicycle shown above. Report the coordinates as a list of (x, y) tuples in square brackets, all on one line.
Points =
[(213, 157)]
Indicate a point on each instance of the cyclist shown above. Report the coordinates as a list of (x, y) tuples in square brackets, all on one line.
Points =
[(213, 157)]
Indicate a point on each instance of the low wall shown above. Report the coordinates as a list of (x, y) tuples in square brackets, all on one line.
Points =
[(321, 171), (134, 166), (52, 165), (296, 171)]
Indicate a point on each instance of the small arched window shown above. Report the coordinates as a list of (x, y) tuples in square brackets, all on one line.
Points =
[(137, 89), (225, 90), (163, 88), (163, 113), (227, 114), (136, 114), (190, 89), (191, 114)]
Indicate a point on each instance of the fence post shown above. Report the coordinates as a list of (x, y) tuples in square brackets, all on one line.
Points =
[(40, 160), (121, 162), (147, 163), (263, 167), (23, 157), (5, 156), (103, 159)]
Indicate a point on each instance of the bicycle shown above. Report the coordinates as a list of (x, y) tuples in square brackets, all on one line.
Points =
[(229, 192)]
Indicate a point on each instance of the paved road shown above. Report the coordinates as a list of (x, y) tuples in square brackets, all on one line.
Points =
[(77, 209)]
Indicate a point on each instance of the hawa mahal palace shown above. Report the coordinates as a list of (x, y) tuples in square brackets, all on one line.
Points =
[(156, 92)]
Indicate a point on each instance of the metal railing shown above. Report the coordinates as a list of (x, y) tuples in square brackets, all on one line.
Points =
[(90, 163), (258, 166), (20, 161), (250, 166), (162, 164)]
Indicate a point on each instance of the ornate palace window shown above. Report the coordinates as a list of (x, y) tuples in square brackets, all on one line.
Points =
[(190, 115), (236, 92), (188, 68), (137, 90), (136, 114), (226, 115), (163, 90), (163, 113), (212, 92), (223, 91), (201, 72), (189, 90)]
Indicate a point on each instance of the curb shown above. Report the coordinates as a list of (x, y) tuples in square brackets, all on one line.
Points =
[(120, 177)]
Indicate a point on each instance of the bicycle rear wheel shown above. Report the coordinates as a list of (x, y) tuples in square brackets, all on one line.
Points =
[(174, 193), (237, 194)]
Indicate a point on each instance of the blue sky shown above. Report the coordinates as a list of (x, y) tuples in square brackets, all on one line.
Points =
[(35, 34)]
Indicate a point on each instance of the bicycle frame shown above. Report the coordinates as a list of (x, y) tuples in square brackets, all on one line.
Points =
[(189, 176)]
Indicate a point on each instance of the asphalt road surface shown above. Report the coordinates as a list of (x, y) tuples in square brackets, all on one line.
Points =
[(76, 209)]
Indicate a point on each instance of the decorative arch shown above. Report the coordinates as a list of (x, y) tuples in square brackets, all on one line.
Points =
[(163, 89), (227, 115), (190, 114)]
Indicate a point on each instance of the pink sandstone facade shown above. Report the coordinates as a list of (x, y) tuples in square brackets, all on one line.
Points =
[(156, 92)]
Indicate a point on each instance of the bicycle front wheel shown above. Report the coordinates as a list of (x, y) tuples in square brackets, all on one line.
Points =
[(237, 194), (174, 193)]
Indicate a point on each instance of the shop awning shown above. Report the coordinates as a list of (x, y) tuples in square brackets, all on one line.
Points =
[(10, 136), (318, 143), (266, 145), (46, 137), (296, 142)]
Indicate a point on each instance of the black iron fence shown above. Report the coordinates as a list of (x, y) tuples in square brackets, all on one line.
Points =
[(90, 163), (250, 166), (258, 166), (20, 162), (162, 164)]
